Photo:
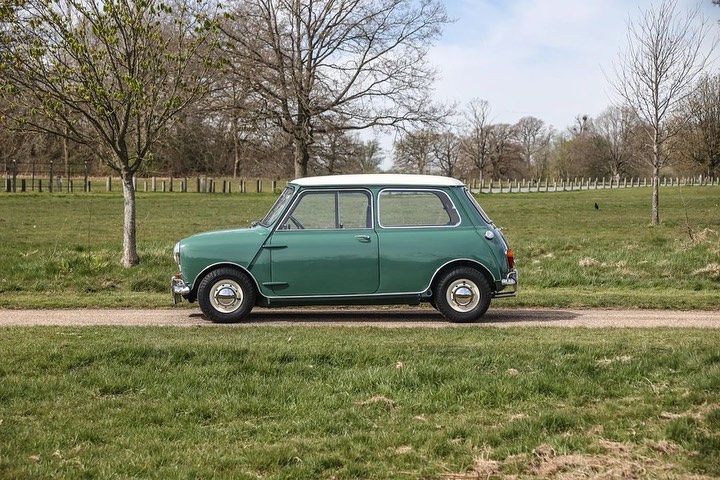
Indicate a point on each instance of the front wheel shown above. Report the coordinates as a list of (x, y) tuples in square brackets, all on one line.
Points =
[(226, 295), (462, 295)]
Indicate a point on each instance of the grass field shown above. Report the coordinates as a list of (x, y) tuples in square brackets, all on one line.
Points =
[(339, 403), (63, 250), (365, 403)]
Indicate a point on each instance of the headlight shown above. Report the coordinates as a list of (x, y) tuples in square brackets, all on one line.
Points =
[(176, 253)]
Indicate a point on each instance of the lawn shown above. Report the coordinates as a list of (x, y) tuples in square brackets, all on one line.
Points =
[(358, 403), (63, 250), (341, 403)]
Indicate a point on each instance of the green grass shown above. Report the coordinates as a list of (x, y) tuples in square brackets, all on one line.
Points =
[(63, 250), (360, 403)]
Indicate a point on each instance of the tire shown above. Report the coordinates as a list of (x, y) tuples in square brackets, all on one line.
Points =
[(226, 295), (462, 295)]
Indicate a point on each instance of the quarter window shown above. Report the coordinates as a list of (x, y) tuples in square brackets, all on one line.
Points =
[(417, 208), (329, 210)]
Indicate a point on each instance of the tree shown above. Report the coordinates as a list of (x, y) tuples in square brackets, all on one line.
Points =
[(475, 136), (413, 152), (327, 65), (614, 132), (657, 72), (502, 148), (446, 152), (109, 74), (533, 139), (701, 136)]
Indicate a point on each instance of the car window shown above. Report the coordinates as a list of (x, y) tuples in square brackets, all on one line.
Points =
[(280, 204), (416, 208), (332, 209), (477, 206)]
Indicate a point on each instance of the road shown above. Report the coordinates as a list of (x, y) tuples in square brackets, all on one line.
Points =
[(359, 317)]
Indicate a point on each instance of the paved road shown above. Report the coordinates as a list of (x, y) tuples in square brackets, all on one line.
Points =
[(352, 317)]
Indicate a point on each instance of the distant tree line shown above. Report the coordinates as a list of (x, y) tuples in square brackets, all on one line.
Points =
[(611, 144)]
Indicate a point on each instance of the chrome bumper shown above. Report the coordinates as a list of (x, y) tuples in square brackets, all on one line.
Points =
[(509, 285), (178, 288)]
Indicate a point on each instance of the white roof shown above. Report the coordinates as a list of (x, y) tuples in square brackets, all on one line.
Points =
[(378, 179)]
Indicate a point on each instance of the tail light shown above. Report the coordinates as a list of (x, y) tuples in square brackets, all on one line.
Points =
[(510, 258)]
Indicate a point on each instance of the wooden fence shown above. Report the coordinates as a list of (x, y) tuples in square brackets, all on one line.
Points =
[(17, 183), (569, 185)]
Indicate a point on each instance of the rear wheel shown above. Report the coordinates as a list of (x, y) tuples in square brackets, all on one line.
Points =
[(226, 295), (463, 295)]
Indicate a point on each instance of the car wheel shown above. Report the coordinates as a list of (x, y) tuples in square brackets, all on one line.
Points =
[(226, 295), (463, 295)]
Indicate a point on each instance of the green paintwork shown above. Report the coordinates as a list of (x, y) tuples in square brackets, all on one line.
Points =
[(356, 265)]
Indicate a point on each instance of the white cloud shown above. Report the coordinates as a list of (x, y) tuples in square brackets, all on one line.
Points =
[(534, 57)]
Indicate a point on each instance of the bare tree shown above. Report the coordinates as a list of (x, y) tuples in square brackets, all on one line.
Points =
[(701, 137), (475, 135), (533, 138), (109, 74), (413, 152), (614, 133), (503, 150), (657, 71), (446, 152), (327, 65)]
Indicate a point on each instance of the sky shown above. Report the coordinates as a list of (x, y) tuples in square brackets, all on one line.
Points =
[(544, 58), (549, 59)]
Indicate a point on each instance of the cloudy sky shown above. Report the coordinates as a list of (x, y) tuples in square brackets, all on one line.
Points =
[(543, 58)]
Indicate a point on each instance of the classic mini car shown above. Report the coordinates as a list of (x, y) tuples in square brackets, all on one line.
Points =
[(353, 240)]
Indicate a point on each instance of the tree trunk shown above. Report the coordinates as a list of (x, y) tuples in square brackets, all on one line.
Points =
[(236, 147), (302, 158), (130, 257), (656, 196), (656, 159)]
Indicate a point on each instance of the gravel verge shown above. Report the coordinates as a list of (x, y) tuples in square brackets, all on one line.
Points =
[(352, 317)]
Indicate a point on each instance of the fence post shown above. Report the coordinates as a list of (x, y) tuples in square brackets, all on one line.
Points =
[(153, 182), (86, 183), (22, 185), (171, 184), (108, 184), (50, 184), (40, 185), (258, 186), (14, 176)]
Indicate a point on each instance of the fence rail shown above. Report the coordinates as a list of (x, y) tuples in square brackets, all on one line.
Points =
[(15, 182), (568, 185)]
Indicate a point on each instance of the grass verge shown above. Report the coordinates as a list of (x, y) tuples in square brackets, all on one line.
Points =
[(405, 403), (63, 250)]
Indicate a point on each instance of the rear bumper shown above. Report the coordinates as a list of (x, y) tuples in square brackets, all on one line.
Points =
[(507, 287), (178, 288)]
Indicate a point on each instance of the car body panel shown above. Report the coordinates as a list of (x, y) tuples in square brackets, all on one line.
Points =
[(356, 262)]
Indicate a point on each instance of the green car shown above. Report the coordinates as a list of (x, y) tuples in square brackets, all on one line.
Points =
[(353, 240)]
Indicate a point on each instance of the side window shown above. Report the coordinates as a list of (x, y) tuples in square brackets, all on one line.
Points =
[(330, 210), (416, 208)]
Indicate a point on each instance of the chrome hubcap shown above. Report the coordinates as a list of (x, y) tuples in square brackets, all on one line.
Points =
[(226, 296), (463, 295)]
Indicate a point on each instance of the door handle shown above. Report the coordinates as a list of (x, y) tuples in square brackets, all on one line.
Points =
[(363, 238)]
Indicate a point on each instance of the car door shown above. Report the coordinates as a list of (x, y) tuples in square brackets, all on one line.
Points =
[(326, 245)]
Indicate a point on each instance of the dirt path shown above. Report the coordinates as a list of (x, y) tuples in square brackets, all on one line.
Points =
[(388, 318)]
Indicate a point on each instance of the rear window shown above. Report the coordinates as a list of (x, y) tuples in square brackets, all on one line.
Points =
[(417, 208)]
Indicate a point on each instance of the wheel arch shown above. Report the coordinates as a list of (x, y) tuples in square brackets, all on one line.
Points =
[(192, 296), (463, 263)]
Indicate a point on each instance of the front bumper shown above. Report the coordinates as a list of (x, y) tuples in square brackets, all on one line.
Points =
[(178, 288), (507, 287)]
